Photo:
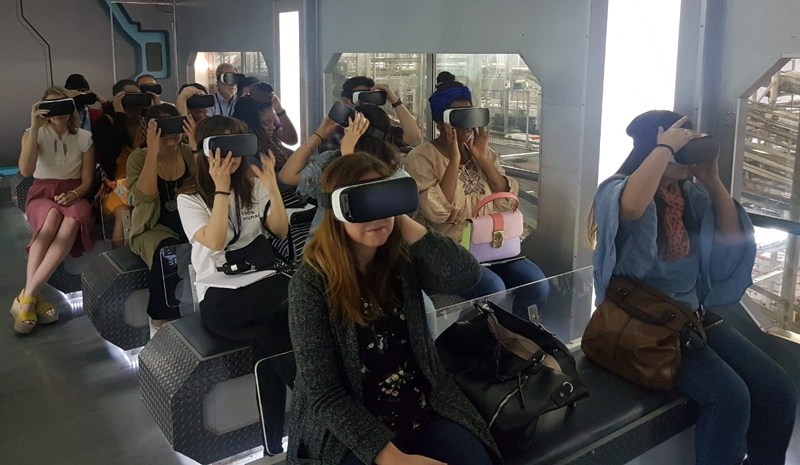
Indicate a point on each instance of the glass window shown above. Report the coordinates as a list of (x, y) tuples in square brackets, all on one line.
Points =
[(249, 63), (770, 147), (403, 72), (504, 84)]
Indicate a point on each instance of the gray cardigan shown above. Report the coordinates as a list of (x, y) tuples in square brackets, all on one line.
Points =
[(328, 417)]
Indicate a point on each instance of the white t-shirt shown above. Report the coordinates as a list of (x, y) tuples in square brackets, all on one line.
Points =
[(61, 157), (195, 215)]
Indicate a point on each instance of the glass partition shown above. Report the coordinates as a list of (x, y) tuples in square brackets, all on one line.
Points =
[(565, 313), (249, 63)]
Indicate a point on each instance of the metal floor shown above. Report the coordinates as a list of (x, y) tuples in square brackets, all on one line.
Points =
[(68, 397)]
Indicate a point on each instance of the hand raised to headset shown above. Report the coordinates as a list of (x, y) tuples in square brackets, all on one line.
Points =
[(38, 116), (478, 146), (220, 170), (188, 129), (451, 149), (117, 102), (153, 138), (266, 174), (353, 132)]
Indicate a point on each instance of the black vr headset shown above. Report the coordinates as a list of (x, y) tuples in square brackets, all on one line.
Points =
[(372, 97), (241, 145), (59, 107), (137, 100), (373, 200), (467, 118), (154, 88), (341, 113), (230, 78), (82, 100), (701, 150), (200, 101), (170, 125)]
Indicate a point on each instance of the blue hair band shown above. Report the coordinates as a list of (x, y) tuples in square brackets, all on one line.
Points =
[(442, 99)]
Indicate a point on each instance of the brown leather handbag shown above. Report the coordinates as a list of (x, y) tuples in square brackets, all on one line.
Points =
[(637, 333)]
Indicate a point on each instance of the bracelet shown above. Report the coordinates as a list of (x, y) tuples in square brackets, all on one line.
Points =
[(321, 139), (667, 147), (280, 113), (77, 197), (397, 103), (222, 193), (197, 151)]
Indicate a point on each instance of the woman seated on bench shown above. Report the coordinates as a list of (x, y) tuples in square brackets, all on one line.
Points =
[(694, 243), (455, 172), (155, 174), (370, 387), (304, 168), (224, 208), (61, 158)]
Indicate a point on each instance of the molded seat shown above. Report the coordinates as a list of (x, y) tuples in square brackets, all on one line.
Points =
[(206, 343)]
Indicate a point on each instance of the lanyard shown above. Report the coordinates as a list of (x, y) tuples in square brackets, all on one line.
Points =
[(237, 230)]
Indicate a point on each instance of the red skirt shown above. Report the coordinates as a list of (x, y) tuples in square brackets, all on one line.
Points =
[(40, 202)]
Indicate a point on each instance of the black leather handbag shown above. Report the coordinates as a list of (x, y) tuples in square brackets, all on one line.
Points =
[(511, 370), (255, 256)]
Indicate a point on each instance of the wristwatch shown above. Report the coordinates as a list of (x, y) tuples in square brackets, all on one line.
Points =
[(397, 103)]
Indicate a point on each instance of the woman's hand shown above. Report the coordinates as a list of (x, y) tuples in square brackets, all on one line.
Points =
[(327, 127), (38, 117), (66, 199), (353, 132), (707, 173), (676, 137), (266, 174), (188, 129), (154, 98), (153, 138), (220, 170), (451, 150), (391, 455), (478, 146), (117, 102), (276, 103), (390, 95)]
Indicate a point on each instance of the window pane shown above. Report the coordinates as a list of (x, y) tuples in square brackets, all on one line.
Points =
[(403, 72), (249, 63), (774, 286), (773, 120), (504, 84)]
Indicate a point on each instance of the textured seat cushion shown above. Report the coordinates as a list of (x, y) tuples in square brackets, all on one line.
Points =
[(206, 343), (126, 260)]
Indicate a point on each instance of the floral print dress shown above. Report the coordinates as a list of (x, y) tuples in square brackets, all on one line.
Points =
[(395, 389)]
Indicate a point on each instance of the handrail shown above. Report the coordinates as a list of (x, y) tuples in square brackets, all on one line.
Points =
[(521, 173), (769, 222)]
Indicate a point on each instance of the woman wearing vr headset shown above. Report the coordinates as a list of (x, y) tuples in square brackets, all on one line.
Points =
[(155, 175), (369, 379), (652, 223), (60, 157), (366, 133), (271, 117), (226, 207), (121, 131), (188, 91), (257, 112), (455, 172)]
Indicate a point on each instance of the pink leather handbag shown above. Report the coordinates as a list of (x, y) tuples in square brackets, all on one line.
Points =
[(496, 236)]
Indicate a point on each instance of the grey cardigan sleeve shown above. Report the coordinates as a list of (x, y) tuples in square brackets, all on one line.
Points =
[(314, 348), (442, 266)]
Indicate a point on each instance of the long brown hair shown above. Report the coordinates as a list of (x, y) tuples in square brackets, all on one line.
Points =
[(330, 254), (74, 120), (202, 183)]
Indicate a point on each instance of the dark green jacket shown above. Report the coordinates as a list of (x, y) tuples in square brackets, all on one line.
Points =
[(328, 417)]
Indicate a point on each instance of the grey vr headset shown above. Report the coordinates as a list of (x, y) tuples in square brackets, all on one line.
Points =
[(241, 145), (466, 118), (373, 200), (341, 114)]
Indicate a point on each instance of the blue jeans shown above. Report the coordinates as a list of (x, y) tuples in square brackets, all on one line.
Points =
[(747, 401), (441, 440), (498, 278)]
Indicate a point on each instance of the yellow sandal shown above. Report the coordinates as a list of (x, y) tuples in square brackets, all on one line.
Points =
[(45, 311), (21, 316)]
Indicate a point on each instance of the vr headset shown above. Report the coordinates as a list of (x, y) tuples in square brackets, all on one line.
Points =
[(264, 87), (170, 125), (154, 88), (701, 150), (241, 145), (82, 100), (373, 200), (467, 118), (200, 101), (230, 78), (59, 107), (137, 100), (372, 97), (341, 113)]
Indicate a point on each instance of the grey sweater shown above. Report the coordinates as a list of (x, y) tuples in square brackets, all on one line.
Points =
[(328, 417)]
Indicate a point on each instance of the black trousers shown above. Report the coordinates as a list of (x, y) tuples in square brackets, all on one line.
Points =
[(163, 305), (259, 313)]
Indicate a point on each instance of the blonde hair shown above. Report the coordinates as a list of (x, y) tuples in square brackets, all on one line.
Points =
[(74, 120)]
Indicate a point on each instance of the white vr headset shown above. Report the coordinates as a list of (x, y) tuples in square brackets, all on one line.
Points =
[(465, 118), (373, 200), (241, 145)]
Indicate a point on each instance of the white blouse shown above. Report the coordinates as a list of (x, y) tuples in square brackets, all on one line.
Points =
[(61, 157)]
